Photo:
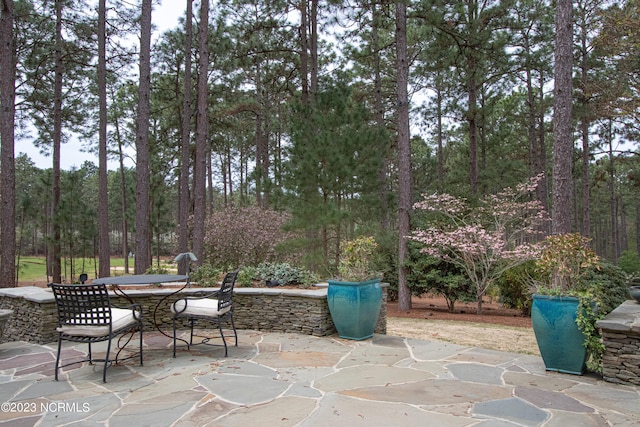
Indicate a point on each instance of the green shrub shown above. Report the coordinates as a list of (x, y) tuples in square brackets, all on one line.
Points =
[(284, 274), (607, 285), (206, 275), (157, 269), (387, 261), (430, 274), (514, 286), (629, 262), (246, 276)]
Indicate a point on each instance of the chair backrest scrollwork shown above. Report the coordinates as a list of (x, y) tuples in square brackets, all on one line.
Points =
[(82, 305), (225, 295)]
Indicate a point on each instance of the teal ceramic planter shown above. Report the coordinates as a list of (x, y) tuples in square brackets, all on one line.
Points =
[(560, 341), (355, 307)]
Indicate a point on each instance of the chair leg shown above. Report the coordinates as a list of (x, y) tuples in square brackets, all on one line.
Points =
[(233, 325), (191, 322), (141, 343), (224, 341), (90, 358), (106, 361), (58, 358), (174, 337)]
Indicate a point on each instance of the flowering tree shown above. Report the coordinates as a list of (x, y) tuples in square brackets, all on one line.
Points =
[(500, 233)]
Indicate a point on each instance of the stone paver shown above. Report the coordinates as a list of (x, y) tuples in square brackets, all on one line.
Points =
[(280, 379)]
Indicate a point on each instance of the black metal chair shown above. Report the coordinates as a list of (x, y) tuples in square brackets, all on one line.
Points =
[(214, 307), (85, 315)]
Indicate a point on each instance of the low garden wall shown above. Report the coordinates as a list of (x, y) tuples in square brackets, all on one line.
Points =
[(300, 311), (621, 337)]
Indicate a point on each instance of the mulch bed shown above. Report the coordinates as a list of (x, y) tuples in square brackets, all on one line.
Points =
[(435, 308)]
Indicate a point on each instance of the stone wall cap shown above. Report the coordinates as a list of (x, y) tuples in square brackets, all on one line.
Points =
[(30, 293), (310, 293), (625, 318), (326, 285)]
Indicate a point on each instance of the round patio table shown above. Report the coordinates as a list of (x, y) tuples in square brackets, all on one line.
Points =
[(141, 279), (144, 279)]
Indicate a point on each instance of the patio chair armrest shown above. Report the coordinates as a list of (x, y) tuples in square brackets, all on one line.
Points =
[(180, 305), (203, 294), (137, 309)]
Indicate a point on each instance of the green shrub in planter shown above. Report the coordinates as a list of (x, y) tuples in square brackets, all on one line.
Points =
[(206, 275), (281, 274), (574, 270), (246, 276)]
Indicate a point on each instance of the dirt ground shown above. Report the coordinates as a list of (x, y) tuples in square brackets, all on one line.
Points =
[(498, 328), (435, 308)]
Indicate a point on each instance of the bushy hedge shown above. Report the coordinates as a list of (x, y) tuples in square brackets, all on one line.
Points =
[(514, 287), (608, 284), (246, 236), (206, 276), (284, 274)]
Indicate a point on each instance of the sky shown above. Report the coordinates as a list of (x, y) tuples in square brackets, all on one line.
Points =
[(164, 17)]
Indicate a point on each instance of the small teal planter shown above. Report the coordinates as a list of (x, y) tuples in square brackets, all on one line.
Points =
[(560, 341), (355, 307)]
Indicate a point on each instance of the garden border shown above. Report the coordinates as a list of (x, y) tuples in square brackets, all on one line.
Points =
[(303, 311)]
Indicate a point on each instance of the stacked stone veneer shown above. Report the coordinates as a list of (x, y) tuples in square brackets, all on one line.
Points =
[(34, 317), (621, 337)]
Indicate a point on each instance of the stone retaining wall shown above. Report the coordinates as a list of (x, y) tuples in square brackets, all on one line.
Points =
[(621, 337), (302, 311), (32, 320)]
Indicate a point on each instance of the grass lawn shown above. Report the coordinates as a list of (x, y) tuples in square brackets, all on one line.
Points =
[(33, 269)]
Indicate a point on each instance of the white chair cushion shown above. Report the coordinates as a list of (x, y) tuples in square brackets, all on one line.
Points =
[(120, 318), (198, 307)]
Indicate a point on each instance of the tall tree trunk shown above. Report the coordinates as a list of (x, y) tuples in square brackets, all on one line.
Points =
[(104, 247), (7, 155), (314, 49), (183, 194), (562, 123), (56, 272), (202, 135), (379, 114), (261, 138), (143, 208), (542, 190), (439, 132), (615, 240), (211, 191), (585, 120), (586, 187), (404, 155), (472, 119), (531, 124), (304, 53), (123, 195), (637, 225)]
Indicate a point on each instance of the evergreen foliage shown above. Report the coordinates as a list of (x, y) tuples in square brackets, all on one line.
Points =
[(479, 75), (333, 161)]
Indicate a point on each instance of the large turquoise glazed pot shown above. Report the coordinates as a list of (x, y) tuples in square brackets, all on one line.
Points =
[(560, 341), (355, 307)]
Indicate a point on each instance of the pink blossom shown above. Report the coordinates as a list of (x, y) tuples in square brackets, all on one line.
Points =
[(487, 240)]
